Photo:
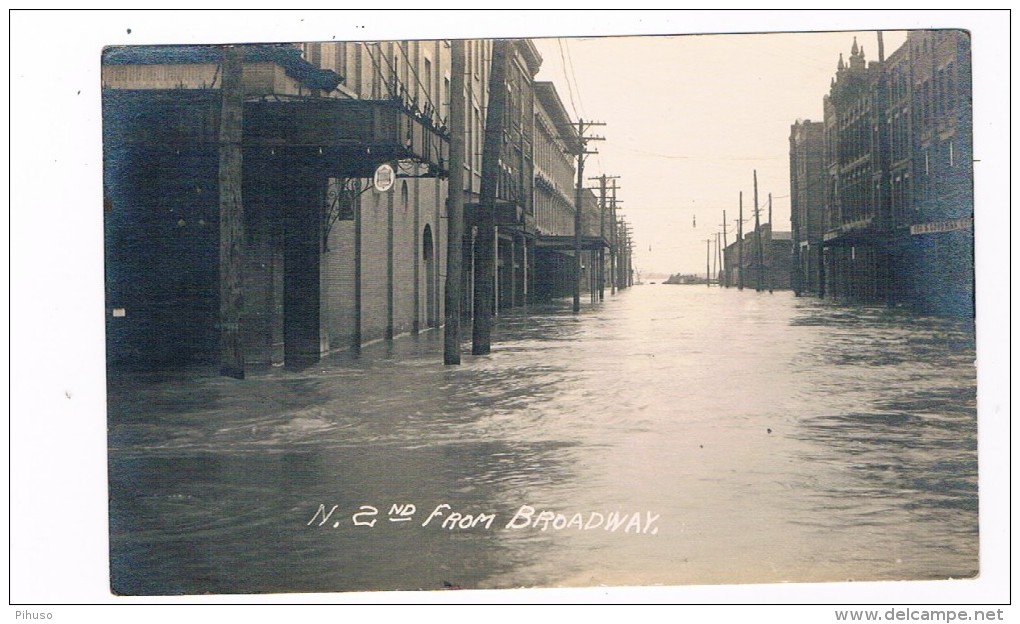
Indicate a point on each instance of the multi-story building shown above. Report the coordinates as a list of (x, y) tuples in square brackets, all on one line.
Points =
[(807, 204), (330, 260), (556, 141), (937, 215), (345, 149), (856, 226), (899, 191)]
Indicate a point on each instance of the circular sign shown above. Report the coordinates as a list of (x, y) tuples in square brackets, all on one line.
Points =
[(384, 178)]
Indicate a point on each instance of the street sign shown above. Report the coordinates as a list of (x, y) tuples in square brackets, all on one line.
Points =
[(384, 177), (947, 225)]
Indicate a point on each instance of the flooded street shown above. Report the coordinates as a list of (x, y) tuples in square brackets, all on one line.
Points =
[(670, 435)]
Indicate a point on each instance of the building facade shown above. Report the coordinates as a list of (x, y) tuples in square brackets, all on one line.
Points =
[(807, 205), (334, 256), (898, 213), (343, 177), (555, 200), (762, 260)]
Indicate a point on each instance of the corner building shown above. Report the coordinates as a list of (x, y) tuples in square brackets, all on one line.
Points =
[(345, 149), (898, 215)]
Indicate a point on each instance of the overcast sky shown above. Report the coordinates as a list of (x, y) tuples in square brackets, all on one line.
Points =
[(689, 119)]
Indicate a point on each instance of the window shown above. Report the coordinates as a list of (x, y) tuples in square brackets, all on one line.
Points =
[(445, 101), (950, 88)]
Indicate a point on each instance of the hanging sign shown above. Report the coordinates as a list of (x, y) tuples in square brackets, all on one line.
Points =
[(384, 177)]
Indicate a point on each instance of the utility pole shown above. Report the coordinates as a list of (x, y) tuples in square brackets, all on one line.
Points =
[(771, 258), (624, 258), (726, 274), (613, 242), (620, 254), (718, 259), (602, 231), (582, 151), (715, 241), (629, 276), (740, 245), (231, 213), (757, 233), (455, 208), (708, 274), (481, 336)]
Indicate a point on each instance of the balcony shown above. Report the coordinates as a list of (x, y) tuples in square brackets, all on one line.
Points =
[(358, 134), (340, 138)]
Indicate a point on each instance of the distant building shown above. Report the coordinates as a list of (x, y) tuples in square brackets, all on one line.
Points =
[(555, 197), (764, 260), (807, 205)]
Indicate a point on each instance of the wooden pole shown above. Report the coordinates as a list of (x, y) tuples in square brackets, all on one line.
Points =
[(726, 274), (602, 237), (740, 245), (578, 197), (455, 209), (718, 259), (481, 337), (771, 255), (757, 233), (613, 242), (231, 213), (715, 253), (356, 334), (708, 273)]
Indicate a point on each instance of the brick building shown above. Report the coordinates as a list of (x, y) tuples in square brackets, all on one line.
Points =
[(807, 205), (765, 260), (330, 262), (898, 213), (344, 153)]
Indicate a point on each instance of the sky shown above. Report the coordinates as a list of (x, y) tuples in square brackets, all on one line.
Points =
[(691, 119)]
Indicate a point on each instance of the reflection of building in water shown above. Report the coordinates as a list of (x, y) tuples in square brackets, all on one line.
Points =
[(898, 199)]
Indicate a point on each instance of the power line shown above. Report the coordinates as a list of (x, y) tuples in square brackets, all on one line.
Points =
[(570, 89), (569, 65), (573, 76)]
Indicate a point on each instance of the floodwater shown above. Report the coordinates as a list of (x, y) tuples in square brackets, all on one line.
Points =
[(670, 435)]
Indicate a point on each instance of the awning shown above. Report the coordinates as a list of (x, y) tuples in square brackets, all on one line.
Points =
[(361, 133), (507, 213)]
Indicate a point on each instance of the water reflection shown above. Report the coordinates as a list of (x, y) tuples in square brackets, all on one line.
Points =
[(772, 439)]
